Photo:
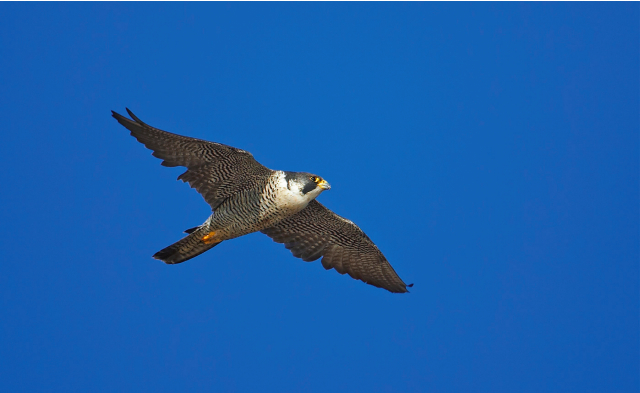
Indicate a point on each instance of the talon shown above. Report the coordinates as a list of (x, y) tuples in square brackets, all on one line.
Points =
[(207, 238)]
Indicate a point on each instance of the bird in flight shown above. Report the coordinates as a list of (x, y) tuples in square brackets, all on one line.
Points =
[(247, 197)]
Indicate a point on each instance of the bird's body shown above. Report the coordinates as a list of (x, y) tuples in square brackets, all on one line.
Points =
[(247, 197), (259, 208)]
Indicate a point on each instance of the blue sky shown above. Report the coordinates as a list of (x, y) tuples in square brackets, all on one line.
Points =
[(490, 150)]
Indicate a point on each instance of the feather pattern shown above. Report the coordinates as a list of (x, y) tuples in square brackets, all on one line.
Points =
[(215, 170), (316, 231)]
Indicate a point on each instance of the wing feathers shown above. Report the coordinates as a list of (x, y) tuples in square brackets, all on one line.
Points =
[(316, 231), (215, 170)]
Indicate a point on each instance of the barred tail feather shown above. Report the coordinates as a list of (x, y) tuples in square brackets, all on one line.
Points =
[(185, 249)]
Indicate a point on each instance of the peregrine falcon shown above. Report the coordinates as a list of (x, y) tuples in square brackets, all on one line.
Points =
[(247, 197)]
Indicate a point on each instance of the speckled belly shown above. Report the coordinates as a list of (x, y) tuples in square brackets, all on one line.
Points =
[(246, 213)]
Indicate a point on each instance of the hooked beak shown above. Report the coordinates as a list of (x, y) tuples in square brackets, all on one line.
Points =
[(324, 185)]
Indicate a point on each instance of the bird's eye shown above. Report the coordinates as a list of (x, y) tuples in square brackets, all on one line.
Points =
[(314, 179)]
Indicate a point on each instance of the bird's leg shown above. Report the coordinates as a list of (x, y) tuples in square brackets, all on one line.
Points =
[(208, 238)]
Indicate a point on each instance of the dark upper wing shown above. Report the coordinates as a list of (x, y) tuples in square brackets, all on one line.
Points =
[(215, 170), (316, 232)]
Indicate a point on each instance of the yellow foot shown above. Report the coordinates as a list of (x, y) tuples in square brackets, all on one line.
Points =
[(207, 239)]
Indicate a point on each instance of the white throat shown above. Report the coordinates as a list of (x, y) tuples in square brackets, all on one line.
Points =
[(290, 196)]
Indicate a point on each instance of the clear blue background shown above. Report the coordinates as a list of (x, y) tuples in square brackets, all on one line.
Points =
[(490, 150)]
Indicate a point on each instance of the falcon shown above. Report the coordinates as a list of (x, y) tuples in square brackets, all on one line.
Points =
[(247, 197)]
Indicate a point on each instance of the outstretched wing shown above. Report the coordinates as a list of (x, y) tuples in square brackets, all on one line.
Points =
[(215, 170), (316, 232)]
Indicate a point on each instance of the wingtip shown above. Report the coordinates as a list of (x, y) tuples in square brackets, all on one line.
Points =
[(403, 289), (134, 117), (125, 120)]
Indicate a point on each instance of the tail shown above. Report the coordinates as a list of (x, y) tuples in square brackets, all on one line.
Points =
[(185, 249)]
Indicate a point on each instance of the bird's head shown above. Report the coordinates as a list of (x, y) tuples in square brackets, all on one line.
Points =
[(307, 184)]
